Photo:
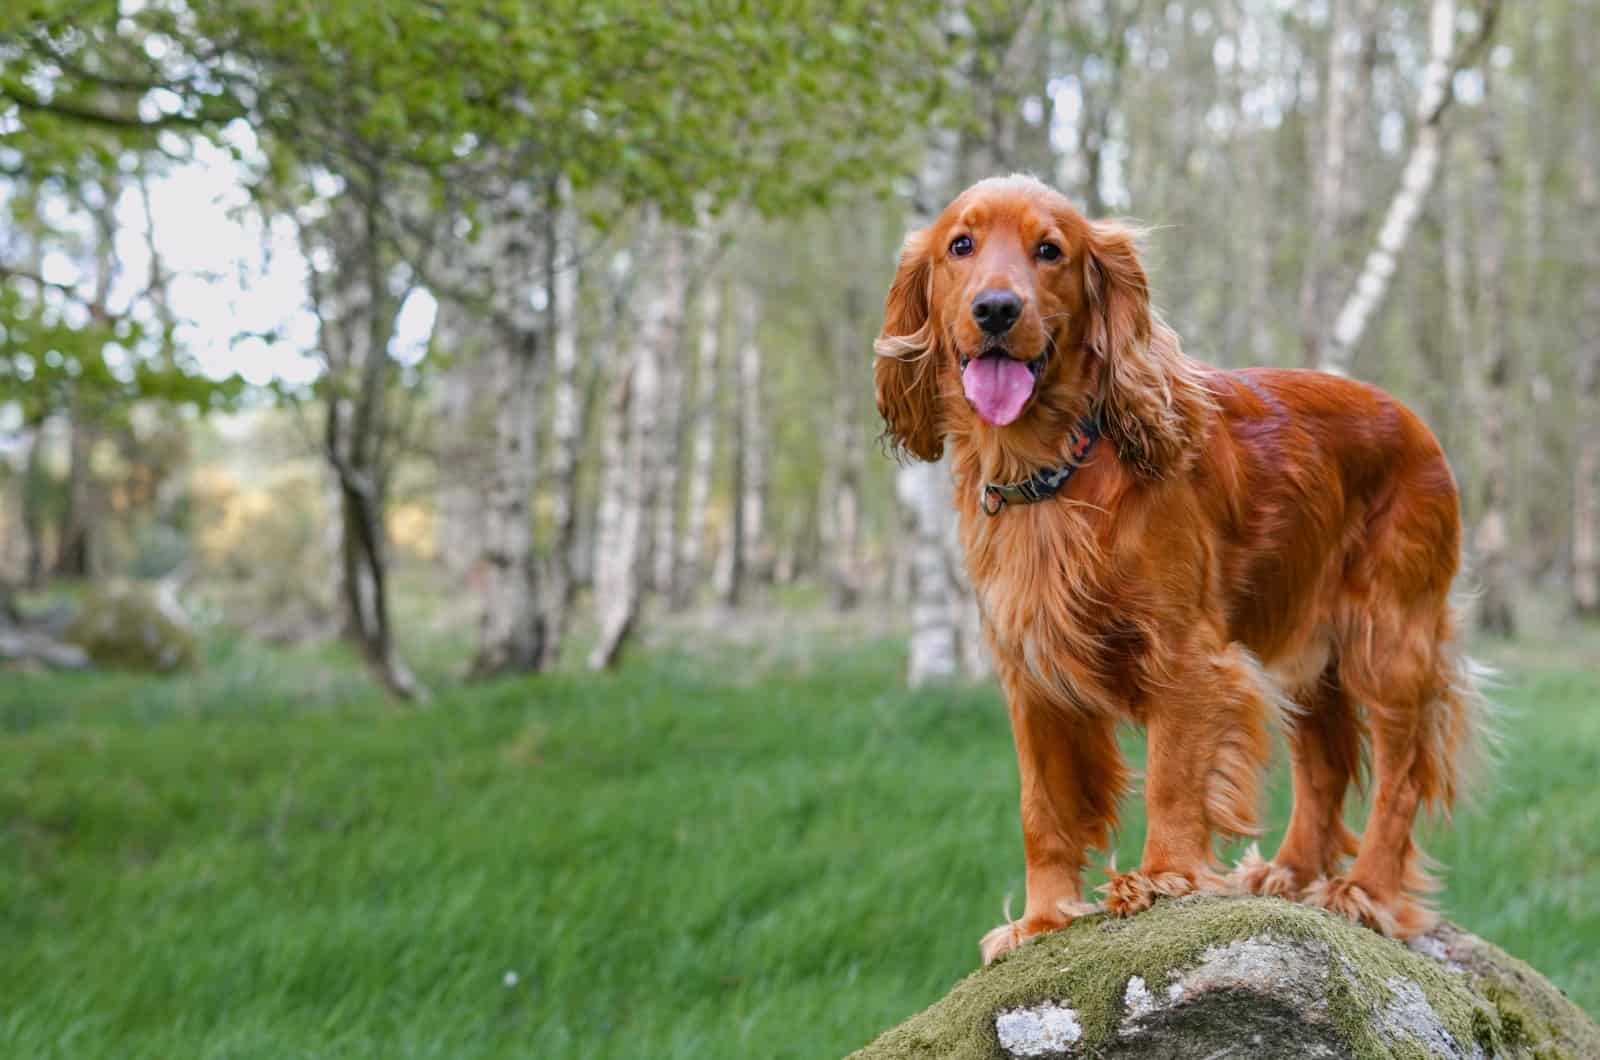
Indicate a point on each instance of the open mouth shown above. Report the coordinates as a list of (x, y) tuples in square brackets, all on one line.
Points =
[(998, 385)]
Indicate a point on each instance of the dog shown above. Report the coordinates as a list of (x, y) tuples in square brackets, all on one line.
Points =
[(1210, 554)]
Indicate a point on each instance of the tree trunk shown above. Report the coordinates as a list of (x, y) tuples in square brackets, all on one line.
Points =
[(356, 316), (611, 505), (619, 594), (1586, 458), (1328, 189), (753, 444), (1416, 179), (566, 423), (511, 627), (924, 490), (75, 543), (487, 283), (1458, 316), (668, 460), (846, 456), (1490, 537), (33, 486), (704, 421)]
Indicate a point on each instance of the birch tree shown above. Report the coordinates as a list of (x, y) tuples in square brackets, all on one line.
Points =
[(566, 418), (1328, 187), (609, 561), (630, 493), (492, 277), (1416, 179), (668, 464), (704, 424), (752, 451)]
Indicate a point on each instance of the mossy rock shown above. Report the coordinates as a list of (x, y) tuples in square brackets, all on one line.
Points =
[(130, 626), (1246, 977)]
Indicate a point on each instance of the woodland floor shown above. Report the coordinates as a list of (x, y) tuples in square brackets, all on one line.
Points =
[(750, 843)]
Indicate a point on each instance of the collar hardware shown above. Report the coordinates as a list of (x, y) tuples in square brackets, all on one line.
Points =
[(1044, 484)]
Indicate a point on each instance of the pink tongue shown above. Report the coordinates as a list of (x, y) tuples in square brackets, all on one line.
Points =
[(998, 386)]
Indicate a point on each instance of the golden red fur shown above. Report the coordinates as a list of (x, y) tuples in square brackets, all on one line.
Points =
[(1240, 550)]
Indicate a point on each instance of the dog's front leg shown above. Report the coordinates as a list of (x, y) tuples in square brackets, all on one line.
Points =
[(1072, 777), (1208, 744)]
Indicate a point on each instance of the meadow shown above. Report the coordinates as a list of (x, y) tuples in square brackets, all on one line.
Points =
[(752, 840)]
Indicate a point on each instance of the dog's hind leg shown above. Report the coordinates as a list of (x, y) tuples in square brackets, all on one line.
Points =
[(1325, 755), (1419, 702), (1208, 744)]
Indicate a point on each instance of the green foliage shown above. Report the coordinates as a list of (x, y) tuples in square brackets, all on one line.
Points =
[(681, 106), (758, 848)]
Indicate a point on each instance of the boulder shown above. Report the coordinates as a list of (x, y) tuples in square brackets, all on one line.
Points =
[(32, 648), (133, 627), (1257, 978)]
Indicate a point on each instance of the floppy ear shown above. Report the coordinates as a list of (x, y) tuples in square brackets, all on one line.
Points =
[(906, 373), (1151, 403)]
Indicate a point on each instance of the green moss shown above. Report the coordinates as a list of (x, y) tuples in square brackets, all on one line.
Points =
[(127, 627), (1087, 966)]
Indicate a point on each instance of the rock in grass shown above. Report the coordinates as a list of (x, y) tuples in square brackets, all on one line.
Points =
[(133, 627), (1256, 978)]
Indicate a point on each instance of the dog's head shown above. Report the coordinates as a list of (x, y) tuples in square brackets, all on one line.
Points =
[(1011, 312)]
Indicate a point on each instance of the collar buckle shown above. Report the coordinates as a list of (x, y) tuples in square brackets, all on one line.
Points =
[(1041, 485)]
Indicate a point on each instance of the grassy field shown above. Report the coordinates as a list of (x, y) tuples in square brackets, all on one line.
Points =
[(753, 847)]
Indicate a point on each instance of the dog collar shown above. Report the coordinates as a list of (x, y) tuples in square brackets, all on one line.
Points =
[(1042, 485)]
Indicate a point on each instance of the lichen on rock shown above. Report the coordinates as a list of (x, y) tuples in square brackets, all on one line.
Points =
[(1256, 977)]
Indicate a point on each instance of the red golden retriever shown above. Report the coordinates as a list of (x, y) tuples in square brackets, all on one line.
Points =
[(1206, 553)]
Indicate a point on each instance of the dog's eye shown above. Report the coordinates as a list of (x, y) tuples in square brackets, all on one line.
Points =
[(1047, 252), (960, 246)]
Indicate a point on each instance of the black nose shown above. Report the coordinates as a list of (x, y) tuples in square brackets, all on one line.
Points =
[(996, 310)]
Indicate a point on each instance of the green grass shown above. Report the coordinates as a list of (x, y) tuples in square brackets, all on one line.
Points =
[(728, 849)]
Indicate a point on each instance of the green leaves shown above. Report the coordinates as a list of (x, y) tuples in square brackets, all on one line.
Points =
[(686, 106)]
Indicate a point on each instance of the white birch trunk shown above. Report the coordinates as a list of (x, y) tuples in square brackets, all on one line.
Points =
[(610, 575), (566, 425), (510, 630), (704, 421), (660, 323), (504, 265), (1328, 189), (933, 651), (668, 462), (753, 452), (1416, 179), (941, 606)]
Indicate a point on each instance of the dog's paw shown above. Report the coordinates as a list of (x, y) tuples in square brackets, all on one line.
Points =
[(1256, 875), (1001, 940), (1013, 933), (1127, 893), (1399, 916)]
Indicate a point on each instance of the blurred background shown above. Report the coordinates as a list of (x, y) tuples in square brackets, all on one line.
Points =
[(453, 600)]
